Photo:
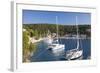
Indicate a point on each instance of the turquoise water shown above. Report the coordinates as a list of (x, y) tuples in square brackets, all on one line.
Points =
[(42, 54)]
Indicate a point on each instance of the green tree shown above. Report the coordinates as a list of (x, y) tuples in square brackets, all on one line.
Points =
[(25, 45), (36, 34), (32, 47)]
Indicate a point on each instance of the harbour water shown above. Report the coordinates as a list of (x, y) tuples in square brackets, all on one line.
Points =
[(43, 54)]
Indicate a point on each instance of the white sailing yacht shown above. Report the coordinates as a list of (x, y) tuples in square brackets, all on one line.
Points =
[(55, 46), (77, 52)]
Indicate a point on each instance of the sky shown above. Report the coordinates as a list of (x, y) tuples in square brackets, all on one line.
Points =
[(64, 18)]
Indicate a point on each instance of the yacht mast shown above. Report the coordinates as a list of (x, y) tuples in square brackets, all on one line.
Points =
[(77, 32), (57, 28)]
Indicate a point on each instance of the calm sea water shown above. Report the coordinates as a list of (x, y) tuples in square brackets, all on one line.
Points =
[(42, 54)]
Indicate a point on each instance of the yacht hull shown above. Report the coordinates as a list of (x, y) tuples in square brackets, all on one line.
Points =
[(74, 54), (57, 49)]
